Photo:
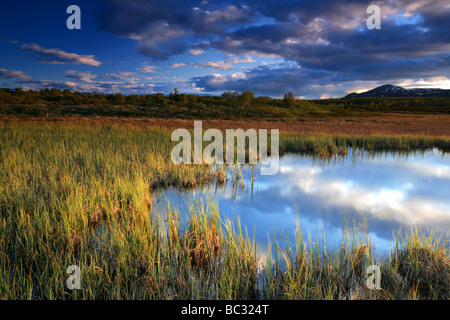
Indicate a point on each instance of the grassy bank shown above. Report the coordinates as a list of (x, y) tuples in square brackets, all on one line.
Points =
[(79, 194), (327, 145)]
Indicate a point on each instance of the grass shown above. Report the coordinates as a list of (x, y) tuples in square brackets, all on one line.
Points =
[(418, 267), (326, 145), (80, 194)]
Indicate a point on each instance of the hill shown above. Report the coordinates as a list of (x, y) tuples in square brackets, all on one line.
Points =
[(391, 91)]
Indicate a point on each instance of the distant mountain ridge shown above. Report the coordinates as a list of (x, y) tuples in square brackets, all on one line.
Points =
[(389, 90)]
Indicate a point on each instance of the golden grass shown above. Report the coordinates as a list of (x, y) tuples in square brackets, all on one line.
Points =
[(80, 194)]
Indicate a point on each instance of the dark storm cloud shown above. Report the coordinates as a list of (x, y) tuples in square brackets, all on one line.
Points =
[(323, 37), (165, 28)]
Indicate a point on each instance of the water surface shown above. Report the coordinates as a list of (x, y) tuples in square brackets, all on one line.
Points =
[(390, 191)]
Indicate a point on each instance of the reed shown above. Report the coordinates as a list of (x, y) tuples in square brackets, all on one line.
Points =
[(79, 194)]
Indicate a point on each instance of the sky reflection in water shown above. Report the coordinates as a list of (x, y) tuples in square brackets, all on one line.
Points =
[(391, 191)]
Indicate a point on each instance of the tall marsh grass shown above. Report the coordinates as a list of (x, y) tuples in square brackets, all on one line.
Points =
[(80, 194)]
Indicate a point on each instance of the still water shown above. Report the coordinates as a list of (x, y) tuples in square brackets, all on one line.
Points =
[(389, 191)]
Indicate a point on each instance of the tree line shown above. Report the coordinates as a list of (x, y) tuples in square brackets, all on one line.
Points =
[(228, 104)]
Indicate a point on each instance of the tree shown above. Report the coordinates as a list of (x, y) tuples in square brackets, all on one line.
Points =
[(174, 95), (119, 98), (148, 100), (246, 98), (55, 92), (131, 99), (183, 99), (192, 98), (159, 98), (230, 94), (289, 99)]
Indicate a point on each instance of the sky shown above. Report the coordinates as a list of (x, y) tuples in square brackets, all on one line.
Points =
[(313, 48)]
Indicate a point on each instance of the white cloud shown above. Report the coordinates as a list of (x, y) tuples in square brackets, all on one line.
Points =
[(438, 171), (145, 68), (196, 52), (98, 86), (178, 65), (433, 82), (57, 56), (13, 75), (384, 204), (80, 76), (220, 65)]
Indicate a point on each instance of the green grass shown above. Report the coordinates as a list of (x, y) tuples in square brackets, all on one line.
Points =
[(418, 267), (326, 144), (80, 194)]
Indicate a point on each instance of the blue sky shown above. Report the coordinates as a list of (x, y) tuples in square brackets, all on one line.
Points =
[(316, 49)]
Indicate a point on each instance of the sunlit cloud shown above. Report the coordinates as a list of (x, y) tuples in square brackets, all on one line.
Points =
[(13, 75), (145, 68), (434, 82), (80, 76), (196, 52), (219, 65), (56, 56)]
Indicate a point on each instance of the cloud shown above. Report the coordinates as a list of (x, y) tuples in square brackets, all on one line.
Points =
[(441, 82), (98, 86), (80, 76), (58, 84), (264, 80), (248, 59), (88, 77), (148, 69), (387, 191), (196, 52), (178, 65), (13, 75), (163, 29), (120, 75), (323, 37), (126, 82), (56, 56), (117, 77), (220, 65)]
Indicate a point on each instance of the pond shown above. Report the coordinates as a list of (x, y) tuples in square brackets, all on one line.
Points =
[(387, 191)]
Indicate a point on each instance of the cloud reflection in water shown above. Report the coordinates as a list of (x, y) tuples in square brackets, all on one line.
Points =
[(390, 191)]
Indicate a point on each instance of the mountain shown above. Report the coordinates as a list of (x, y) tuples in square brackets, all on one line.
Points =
[(389, 90)]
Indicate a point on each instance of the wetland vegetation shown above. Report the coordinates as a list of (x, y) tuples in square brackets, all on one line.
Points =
[(80, 194)]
